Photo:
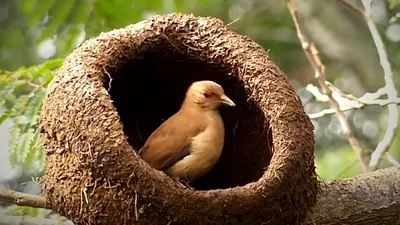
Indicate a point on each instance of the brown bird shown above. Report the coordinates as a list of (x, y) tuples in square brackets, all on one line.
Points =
[(189, 143)]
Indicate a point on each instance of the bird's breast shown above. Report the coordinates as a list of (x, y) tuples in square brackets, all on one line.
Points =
[(205, 152)]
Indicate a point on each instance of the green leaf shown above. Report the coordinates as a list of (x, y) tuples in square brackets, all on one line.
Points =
[(14, 135), (118, 12), (22, 99), (40, 157), (5, 116), (28, 6), (24, 145), (33, 108), (16, 210), (43, 77), (19, 106), (7, 92), (5, 77), (63, 8), (393, 4), (41, 9), (82, 14)]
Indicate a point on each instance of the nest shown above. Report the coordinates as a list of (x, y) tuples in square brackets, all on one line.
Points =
[(115, 89)]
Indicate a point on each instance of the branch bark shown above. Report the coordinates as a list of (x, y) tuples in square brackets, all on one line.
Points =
[(22, 199), (370, 198)]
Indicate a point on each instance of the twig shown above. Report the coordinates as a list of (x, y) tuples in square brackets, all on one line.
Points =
[(390, 89), (392, 160), (344, 98), (234, 21), (36, 86), (30, 84), (367, 98), (325, 112), (110, 79), (348, 101), (353, 7), (319, 69), (22, 199)]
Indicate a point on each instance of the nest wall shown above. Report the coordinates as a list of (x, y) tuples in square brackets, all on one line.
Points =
[(115, 89)]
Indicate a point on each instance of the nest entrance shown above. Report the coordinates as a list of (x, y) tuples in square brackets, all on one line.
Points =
[(150, 88)]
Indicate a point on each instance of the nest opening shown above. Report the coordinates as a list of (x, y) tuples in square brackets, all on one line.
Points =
[(149, 88)]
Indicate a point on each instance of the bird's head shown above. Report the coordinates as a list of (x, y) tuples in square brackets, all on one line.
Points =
[(208, 95)]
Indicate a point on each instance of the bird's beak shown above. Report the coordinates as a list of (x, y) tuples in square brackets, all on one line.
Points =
[(227, 101)]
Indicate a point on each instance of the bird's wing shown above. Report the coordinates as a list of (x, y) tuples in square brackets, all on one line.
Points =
[(171, 142)]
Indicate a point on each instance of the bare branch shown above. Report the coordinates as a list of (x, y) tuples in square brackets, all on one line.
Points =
[(353, 7), (319, 69), (391, 159), (347, 107), (22, 199), (390, 89), (347, 101)]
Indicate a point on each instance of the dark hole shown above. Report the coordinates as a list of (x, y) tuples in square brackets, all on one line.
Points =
[(148, 90)]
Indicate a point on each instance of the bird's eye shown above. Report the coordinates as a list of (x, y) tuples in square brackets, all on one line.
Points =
[(207, 95)]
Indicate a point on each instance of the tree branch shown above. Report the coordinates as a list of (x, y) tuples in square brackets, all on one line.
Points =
[(392, 160), (22, 199), (390, 89), (348, 101), (313, 57), (348, 107), (370, 198)]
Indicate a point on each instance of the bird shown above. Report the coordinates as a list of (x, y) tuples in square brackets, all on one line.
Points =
[(188, 144)]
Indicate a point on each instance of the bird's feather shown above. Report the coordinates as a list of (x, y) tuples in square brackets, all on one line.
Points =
[(188, 144), (171, 142)]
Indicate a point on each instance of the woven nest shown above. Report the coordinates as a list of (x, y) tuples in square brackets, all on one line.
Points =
[(115, 89)]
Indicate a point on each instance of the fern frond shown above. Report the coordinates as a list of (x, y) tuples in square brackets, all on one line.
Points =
[(4, 116), (24, 145), (34, 107), (7, 92), (13, 137), (21, 94)]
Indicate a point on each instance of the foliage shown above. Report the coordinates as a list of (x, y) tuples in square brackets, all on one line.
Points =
[(25, 210), (65, 24), (21, 94), (393, 4), (16, 210)]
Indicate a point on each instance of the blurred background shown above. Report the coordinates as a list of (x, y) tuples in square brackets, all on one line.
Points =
[(35, 35)]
